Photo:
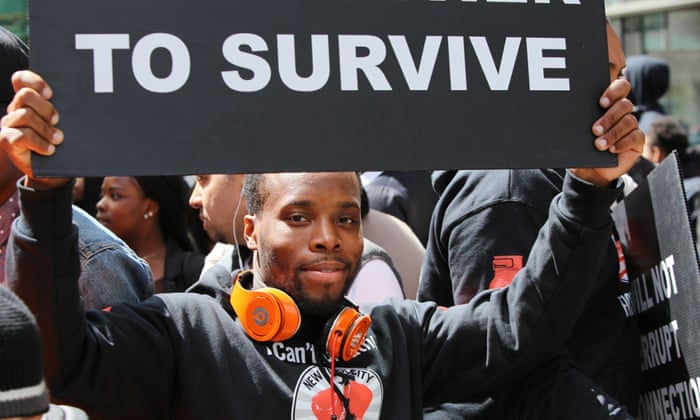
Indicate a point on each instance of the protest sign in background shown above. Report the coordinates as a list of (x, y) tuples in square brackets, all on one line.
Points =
[(174, 86), (663, 267)]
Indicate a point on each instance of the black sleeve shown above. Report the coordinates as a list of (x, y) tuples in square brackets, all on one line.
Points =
[(500, 334), (78, 346)]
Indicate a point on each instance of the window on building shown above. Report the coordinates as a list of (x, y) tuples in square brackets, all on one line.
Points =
[(667, 31), (632, 35), (683, 29), (654, 32)]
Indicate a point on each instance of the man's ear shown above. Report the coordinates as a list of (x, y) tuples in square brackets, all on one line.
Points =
[(250, 232)]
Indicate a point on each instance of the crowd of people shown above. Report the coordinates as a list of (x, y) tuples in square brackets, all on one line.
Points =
[(469, 294)]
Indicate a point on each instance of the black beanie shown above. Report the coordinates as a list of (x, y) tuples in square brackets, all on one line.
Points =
[(14, 55), (22, 388)]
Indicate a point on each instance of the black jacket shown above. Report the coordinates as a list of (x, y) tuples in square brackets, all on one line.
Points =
[(483, 215), (650, 78)]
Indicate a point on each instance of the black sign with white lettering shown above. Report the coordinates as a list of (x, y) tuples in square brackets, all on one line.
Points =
[(175, 86), (663, 267)]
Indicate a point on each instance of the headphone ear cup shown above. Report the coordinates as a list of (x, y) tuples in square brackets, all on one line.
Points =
[(346, 333), (266, 314), (289, 314)]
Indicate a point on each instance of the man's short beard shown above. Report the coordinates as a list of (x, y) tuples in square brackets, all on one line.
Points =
[(323, 308), (291, 286)]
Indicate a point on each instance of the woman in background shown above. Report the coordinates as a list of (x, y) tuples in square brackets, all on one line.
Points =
[(150, 214)]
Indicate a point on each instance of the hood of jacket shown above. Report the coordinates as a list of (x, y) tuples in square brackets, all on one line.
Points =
[(649, 77), (441, 179)]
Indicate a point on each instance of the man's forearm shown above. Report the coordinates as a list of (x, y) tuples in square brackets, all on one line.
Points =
[(43, 270)]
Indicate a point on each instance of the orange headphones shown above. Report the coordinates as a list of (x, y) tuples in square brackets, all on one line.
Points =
[(270, 314)]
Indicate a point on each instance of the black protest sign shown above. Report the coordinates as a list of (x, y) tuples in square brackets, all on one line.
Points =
[(663, 267), (174, 86)]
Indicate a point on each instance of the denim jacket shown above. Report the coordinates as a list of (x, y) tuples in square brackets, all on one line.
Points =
[(110, 271)]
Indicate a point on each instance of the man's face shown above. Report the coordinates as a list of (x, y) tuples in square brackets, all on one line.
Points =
[(616, 57), (217, 197), (308, 236)]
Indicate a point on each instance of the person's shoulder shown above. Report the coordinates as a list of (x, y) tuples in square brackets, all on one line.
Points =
[(177, 300), (384, 180), (406, 310), (188, 307), (222, 254), (388, 234), (390, 226), (510, 179), (471, 189)]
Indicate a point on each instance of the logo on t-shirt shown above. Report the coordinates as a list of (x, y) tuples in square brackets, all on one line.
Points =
[(357, 394)]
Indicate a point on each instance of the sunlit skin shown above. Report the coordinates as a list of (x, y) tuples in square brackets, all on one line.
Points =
[(308, 237), (218, 199), (623, 135), (616, 57)]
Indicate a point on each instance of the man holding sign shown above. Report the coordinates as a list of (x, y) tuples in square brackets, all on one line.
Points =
[(195, 356)]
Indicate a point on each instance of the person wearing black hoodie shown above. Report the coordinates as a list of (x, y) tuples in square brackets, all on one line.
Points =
[(482, 231), (649, 77)]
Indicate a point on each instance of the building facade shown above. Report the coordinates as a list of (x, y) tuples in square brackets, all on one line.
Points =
[(13, 16), (668, 29)]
